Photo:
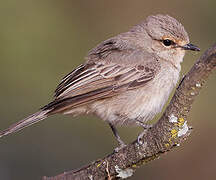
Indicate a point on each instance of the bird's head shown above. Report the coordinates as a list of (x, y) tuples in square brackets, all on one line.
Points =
[(164, 36), (169, 38)]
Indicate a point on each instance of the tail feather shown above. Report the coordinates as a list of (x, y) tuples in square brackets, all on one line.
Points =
[(32, 119)]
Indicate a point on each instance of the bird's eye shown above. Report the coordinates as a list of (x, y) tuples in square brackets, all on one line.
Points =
[(167, 42)]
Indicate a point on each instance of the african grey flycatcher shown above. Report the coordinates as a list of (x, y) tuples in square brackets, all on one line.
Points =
[(125, 80)]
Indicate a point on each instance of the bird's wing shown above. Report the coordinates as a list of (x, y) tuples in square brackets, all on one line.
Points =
[(97, 76), (100, 79)]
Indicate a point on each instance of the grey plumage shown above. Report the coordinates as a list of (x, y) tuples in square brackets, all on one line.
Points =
[(125, 79), (32, 119)]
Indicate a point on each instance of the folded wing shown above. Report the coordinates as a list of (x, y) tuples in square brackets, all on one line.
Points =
[(98, 80)]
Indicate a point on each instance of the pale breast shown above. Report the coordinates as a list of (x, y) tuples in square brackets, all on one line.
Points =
[(143, 103)]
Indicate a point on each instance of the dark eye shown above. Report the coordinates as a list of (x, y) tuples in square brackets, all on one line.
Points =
[(167, 42)]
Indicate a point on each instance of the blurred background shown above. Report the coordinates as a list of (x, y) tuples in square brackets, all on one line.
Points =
[(41, 41)]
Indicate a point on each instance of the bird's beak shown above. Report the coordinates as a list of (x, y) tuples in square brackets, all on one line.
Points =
[(191, 47)]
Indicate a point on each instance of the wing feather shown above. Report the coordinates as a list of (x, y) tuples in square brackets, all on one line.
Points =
[(98, 80)]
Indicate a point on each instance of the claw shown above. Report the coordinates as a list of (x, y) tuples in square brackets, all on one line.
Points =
[(140, 142), (121, 146), (145, 126)]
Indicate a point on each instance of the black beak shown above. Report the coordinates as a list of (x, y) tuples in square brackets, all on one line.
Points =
[(191, 47)]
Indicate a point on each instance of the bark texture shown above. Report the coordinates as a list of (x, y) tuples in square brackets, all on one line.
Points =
[(170, 130)]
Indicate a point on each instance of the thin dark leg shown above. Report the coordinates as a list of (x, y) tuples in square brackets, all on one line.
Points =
[(120, 142), (145, 127)]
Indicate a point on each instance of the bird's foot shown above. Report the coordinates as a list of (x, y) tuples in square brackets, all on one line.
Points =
[(145, 127), (121, 146), (140, 137), (120, 142)]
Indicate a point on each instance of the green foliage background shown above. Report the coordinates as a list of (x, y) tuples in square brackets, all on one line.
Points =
[(41, 41)]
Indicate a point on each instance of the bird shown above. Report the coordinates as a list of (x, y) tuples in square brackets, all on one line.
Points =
[(125, 80)]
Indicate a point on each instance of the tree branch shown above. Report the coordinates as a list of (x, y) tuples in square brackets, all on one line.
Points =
[(171, 129)]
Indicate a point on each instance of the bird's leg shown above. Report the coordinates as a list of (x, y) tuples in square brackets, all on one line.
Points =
[(145, 127), (120, 142)]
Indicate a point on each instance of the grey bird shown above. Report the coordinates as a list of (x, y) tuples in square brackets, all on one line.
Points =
[(125, 80)]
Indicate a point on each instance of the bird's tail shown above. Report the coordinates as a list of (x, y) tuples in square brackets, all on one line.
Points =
[(32, 119)]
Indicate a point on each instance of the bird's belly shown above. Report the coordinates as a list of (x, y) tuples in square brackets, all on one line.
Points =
[(148, 104), (142, 104)]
